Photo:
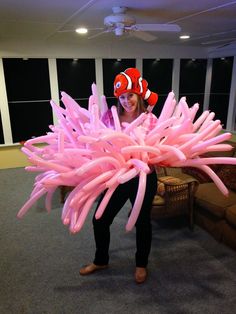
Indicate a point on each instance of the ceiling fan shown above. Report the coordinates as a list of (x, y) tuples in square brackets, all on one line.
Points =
[(120, 23)]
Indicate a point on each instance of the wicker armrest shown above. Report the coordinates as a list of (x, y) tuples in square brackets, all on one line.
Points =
[(176, 180), (185, 187)]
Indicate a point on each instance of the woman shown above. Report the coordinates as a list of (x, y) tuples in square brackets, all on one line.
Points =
[(131, 91)]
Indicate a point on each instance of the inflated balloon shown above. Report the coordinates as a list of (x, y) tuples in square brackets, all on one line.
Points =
[(83, 153)]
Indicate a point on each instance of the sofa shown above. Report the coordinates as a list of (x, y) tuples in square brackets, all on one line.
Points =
[(213, 211)]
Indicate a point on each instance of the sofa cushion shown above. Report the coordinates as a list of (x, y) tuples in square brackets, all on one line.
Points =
[(230, 215), (209, 197), (158, 201)]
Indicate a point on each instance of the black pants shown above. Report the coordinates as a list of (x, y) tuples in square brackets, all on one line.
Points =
[(143, 226)]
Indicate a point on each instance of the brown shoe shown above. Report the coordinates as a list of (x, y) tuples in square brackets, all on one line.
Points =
[(140, 274), (91, 268)]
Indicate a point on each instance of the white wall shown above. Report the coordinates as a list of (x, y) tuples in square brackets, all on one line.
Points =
[(119, 49)]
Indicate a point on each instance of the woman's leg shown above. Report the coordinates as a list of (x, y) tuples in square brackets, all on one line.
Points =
[(102, 225)]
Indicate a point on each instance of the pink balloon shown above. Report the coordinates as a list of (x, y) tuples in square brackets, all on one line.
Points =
[(48, 200), (94, 119), (130, 174), (49, 164), (99, 179), (138, 201), (104, 106), (115, 179), (116, 118), (200, 120), (97, 162), (184, 108), (137, 148), (139, 164), (105, 200), (206, 161), (212, 141), (66, 208), (207, 121), (30, 202), (131, 126), (218, 182), (84, 213), (168, 108), (193, 110), (160, 127)]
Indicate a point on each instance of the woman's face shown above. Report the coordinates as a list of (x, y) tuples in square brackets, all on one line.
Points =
[(129, 101)]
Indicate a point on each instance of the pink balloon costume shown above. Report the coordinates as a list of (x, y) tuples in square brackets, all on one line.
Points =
[(90, 150)]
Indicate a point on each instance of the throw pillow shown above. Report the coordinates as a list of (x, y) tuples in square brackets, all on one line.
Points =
[(227, 174)]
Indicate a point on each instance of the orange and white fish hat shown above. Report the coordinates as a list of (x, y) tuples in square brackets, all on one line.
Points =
[(131, 81)]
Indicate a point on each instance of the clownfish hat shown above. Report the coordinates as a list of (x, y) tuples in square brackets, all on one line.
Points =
[(130, 81)]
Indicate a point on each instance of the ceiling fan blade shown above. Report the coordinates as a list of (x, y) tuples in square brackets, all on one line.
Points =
[(144, 36), (158, 27)]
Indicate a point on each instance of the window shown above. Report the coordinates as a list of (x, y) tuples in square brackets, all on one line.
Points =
[(75, 77), (28, 93)]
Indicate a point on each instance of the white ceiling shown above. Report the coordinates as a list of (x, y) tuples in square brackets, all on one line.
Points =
[(210, 23)]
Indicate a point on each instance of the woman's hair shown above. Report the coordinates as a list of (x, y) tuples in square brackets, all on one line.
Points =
[(140, 108)]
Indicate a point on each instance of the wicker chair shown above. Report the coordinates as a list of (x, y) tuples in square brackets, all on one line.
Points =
[(175, 195)]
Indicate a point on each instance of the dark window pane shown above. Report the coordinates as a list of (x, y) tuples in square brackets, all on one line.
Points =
[(221, 75), (29, 119), (112, 67), (28, 92), (192, 81), (158, 74), (219, 104), (27, 79), (75, 77), (220, 87)]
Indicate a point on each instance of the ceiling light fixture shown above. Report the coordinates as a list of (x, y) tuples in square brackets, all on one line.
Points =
[(184, 37), (81, 30)]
